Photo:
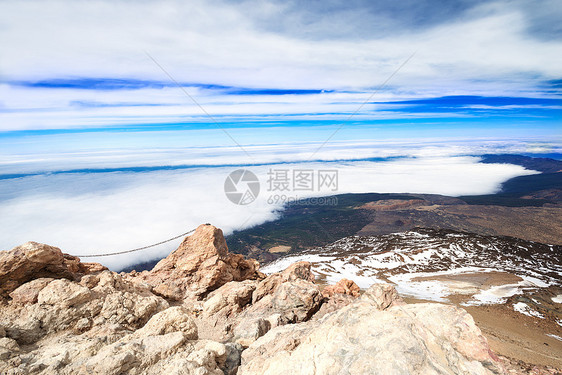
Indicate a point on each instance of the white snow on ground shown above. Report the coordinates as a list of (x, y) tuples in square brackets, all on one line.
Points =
[(557, 299), (429, 290), (554, 336), (523, 308), (495, 294), (433, 290), (283, 263), (417, 263), (500, 293), (338, 269)]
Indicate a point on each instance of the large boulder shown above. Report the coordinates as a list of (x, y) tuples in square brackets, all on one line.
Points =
[(200, 265), (362, 338), (64, 305), (229, 299), (34, 260), (296, 271), (29, 292), (344, 286), (173, 319), (292, 301), (382, 296)]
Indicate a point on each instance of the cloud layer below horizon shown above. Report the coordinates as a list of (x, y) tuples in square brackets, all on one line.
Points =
[(96, 211), (103, 148)]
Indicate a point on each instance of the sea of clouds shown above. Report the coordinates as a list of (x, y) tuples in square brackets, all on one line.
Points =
[(91, 211)]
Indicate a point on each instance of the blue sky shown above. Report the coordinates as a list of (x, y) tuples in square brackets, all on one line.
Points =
[(88, 66)]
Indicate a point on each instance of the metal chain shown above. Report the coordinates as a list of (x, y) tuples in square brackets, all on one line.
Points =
[(138, 248)]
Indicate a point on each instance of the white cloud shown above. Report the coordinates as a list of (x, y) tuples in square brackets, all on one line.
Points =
[(488, 51), (218, 42), (104, 212)]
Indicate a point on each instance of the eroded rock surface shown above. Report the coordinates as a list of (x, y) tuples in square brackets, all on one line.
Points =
[(205, 311), (200, 265), (33, 260), (370, 337)]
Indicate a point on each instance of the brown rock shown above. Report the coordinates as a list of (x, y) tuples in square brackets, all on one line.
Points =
[(382, 296), (230, 298), (34, 260), (344, 286), (291, 302), (200, 265), (296, 271), (64, 293), (334, 303), (173, 319), (299, 270), (28, 292)]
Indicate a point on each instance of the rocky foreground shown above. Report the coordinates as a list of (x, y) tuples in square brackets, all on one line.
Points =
[(203, 310)]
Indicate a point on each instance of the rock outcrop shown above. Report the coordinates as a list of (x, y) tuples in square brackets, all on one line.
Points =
[(371, 336), (200, 265), (344, 286), (205, 311), (33, 260), (245, 311)]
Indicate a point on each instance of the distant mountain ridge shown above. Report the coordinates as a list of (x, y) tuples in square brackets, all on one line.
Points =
[(545, 165)]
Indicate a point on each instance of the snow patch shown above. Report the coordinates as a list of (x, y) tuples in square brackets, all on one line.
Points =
[(282, 263), (500, 293), (557, 299), (523, 308), (554, 336)]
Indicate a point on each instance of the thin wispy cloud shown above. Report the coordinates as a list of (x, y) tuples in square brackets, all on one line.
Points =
[(76, 65)]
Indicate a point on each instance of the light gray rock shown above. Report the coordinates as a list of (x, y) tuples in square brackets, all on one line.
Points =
[(382, 296), (249, 330), (229, 299), (64, 293), (8, 348), (363, 339), (173, 319)]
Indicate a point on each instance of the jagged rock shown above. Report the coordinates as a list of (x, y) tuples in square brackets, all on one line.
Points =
[(173, 319), (28, 292), (99, 322), (250, 329), (298, 300), (230, 298), (64, 293), (336, 302), (8, 347), (344, 286), (296, 271), (233, 358), (200, 265), (291, 302), (34, 260), (382, 296), (363, 339), (337, 296), (247, 310), (67, 305), (29, 261)]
